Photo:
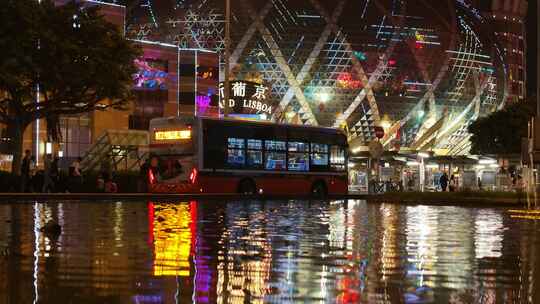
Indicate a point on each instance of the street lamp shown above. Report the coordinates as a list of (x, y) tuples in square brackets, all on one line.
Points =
[(227, 84)]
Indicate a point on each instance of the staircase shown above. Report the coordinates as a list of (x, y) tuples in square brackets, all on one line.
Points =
[(123, 150)]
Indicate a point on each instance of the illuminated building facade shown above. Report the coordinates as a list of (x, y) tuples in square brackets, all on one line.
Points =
[(169, 81), (423, 70), (507, 19)]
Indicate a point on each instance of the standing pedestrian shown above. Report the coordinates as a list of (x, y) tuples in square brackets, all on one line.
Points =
[(77, 167), (48, 185), (479, 181), (443, 181), (35, 180), (110, 185), (55, 173), (143, 177), (154, 174), (25, 171), (75, 176), (452, 185)]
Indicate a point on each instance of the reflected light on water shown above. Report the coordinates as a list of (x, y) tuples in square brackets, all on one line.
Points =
[(266, 252), (488, 236), (172, 234), (421, 237)]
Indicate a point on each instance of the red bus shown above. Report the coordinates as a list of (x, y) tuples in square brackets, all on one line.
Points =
[(206, 155)]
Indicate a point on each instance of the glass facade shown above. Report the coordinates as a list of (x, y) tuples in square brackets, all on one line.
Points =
[(76, 136), (418, 67)]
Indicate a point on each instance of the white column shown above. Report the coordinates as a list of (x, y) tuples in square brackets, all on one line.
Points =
[(422, 171)]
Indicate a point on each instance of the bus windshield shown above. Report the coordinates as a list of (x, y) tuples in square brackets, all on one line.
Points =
[(172, 144)]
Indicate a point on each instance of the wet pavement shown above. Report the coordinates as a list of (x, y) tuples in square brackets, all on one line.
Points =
[(266, 252)]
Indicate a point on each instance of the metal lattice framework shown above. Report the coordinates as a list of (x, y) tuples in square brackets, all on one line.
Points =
[(423, 70)]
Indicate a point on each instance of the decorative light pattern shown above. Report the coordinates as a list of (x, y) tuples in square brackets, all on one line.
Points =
[(350, 62)]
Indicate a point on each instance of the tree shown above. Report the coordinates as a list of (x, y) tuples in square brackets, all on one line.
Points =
[(69, 56), (501, 132)]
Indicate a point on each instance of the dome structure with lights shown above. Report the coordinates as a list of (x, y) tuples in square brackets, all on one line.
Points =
[(423, 70)]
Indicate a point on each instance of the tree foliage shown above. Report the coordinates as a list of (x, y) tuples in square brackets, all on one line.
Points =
[(501, 132), (69, 56)]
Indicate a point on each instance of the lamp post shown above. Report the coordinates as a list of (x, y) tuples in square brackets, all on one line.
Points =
[(227, 84)]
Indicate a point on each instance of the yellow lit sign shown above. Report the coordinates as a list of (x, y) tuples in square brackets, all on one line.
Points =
[(172, 135)]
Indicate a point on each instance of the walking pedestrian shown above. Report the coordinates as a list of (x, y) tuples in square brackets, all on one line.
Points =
[(25, 171), (48, 185)]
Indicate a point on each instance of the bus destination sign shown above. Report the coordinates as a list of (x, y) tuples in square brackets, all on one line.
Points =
[(172, 134)]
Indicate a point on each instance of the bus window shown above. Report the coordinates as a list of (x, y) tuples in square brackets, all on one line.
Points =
[(275, 145), (298, 156), (319, 155), (254, 153), (337, 158), (235, 152), (275, 156)]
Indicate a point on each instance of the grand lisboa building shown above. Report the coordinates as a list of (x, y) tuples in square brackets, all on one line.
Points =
[(421, 69)]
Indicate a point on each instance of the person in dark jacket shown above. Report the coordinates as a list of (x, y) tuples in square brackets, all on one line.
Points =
[(48, 181), (443, 181), (25, 171), (143, 177)]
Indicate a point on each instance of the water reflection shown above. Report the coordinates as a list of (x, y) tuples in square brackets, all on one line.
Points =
[(172, 230), (265, 252)]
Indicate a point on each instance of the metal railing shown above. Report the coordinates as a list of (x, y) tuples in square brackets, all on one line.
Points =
[(119, 149)]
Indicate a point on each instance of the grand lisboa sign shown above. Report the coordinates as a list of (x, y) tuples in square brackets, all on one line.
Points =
[(246, 97)]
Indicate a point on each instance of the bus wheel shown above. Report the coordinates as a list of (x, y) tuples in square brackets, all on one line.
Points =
[(319, 189), (247, 186)]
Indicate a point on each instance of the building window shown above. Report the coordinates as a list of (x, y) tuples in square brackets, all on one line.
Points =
[(76, 136)]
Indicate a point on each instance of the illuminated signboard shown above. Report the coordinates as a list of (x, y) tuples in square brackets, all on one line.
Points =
[(151, 74), (247, 98), (346, 81), (172, 135)]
